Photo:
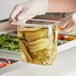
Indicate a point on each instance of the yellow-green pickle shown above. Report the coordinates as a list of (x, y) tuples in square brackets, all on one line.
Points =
[(38, 44)]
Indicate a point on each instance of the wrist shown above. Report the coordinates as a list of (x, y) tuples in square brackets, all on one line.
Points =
[(43, 6), (48, 10)]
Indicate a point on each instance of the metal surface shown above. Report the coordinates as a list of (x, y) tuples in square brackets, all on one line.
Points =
[(67, 34), (65, 64), (9, 54)]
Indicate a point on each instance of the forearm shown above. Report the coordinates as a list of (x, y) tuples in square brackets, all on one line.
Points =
[(61, 5)]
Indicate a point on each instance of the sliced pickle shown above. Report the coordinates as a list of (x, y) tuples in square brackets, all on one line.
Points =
[(31, 36), (37, 42), (40, 46), (25, 51), (20, 35)]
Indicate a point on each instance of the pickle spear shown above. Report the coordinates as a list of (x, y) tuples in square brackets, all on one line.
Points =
[(23, 48)]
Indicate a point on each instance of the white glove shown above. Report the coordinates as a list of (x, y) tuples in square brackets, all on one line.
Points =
[(68, 25), (28, 10)]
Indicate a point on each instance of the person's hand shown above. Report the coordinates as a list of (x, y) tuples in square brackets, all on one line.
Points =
[(68, 24), (28, 10)]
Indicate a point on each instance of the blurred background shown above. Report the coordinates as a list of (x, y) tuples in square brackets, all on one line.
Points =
[(7, 6)]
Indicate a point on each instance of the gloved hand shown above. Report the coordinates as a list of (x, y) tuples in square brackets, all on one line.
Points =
[(28, 10), (68, 24)]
